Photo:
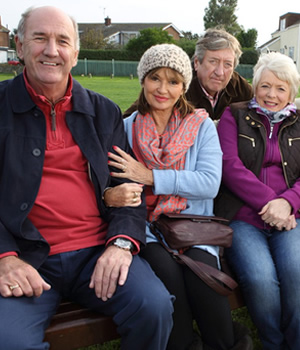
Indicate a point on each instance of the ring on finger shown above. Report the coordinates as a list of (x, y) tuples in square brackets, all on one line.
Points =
[(124, 168), (272, 224), (134, 200), (14, 286), (135, 195)]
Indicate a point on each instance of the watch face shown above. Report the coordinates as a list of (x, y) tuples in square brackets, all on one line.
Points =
[(123, 243)]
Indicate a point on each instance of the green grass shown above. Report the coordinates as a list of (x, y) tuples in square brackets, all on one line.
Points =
[(124, 91), (121, 90), (241, 315), (6, 76), (112, 345)]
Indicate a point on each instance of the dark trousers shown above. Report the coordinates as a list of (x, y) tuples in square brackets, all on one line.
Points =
[(194, 300), (142, 308)]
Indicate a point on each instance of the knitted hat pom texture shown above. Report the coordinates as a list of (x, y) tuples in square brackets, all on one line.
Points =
[(168, 56)]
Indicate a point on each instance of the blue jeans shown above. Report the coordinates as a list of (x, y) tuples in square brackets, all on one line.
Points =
[(267, 266), (142, 308)]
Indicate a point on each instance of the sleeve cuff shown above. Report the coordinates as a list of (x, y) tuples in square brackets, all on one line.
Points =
[(3, 255)]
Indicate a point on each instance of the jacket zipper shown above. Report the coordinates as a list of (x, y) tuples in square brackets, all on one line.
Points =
[(249, 138), (290, 140)]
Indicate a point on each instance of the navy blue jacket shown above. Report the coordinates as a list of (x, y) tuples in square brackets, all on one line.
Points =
[(96, 125)]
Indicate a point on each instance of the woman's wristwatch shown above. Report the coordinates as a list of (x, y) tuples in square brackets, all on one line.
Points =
[(123, 243)]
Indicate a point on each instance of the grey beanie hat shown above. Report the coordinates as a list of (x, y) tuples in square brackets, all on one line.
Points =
[(166, 55)]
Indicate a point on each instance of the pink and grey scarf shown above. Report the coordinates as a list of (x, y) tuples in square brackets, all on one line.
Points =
[(166, 151)]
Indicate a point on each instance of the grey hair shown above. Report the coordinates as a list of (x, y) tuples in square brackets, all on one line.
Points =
[(217, 39), (282, 66), (22, 24)]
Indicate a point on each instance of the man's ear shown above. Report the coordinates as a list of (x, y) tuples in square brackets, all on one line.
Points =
[(196, 63), (75, 61), (19, 47)]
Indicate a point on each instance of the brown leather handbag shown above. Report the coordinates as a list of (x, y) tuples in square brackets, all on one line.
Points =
[(182, 231)]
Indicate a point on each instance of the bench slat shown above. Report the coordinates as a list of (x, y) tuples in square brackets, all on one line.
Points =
[(73, 327)]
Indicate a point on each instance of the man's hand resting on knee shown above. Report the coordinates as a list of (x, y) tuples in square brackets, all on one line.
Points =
[(111, 270), (17, 278)]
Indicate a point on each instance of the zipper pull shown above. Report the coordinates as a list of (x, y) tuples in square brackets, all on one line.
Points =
[(89, 170), (271, 131), (53, 119)]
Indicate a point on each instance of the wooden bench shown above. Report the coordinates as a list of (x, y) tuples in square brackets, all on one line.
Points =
[(73, 326)]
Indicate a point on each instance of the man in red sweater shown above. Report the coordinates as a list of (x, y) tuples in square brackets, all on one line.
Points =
[(57, 238)]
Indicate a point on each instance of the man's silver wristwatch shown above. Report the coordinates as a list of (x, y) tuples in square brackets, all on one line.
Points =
[(124, 244)]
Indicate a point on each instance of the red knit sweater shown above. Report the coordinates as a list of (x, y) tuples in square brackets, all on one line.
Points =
[(65, 211)]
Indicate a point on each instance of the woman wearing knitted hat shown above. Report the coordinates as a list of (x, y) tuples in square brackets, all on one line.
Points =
[(179, 164)]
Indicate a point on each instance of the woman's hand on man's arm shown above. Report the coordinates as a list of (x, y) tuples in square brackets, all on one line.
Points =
[(131, 168)]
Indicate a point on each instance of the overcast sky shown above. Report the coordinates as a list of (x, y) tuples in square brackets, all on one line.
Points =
[(263, 15)]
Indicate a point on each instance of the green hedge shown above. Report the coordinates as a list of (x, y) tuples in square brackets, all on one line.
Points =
[(249, 56), (106, 55)]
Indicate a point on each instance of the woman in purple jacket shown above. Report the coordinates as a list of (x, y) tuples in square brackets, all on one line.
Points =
[(260, 194)]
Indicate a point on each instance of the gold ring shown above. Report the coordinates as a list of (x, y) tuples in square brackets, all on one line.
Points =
[(134, 200), (124, 168), (272, 224), (135, 194), (14, 287)]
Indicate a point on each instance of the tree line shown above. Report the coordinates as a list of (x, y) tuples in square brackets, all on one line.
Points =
[(218, 14)]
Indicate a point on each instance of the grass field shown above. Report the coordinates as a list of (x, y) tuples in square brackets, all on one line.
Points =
[(121, 90), (124, 91)]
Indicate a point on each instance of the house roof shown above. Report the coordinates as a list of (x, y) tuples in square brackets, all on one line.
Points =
[(113, 28), (265, 45), (3, 29), (292, 18)]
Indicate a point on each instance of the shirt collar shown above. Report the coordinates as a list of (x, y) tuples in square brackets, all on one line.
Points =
[(42, 99), (212, 100)]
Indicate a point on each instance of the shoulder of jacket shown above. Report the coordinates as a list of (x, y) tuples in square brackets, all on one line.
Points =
[(89, 101), (236, 106)]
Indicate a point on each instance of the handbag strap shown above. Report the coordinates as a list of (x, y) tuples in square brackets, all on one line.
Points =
[(214, 278)]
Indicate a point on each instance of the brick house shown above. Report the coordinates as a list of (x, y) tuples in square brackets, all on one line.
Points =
[(121, 33)]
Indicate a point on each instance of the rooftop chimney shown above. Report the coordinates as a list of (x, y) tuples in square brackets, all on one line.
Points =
[(107, 21)]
